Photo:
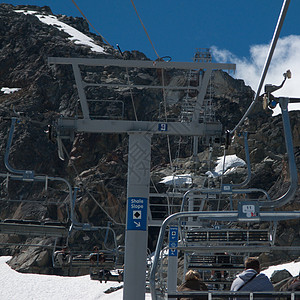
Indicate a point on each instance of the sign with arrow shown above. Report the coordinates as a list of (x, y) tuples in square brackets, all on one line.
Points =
[(173, 241), (173, 252), (137, 213)]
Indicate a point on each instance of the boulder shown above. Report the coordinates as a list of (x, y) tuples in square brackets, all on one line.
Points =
[(280, 275)]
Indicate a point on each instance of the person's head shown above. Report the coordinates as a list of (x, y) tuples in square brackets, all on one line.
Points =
[(192, 275), (95, 248), (252, 263)]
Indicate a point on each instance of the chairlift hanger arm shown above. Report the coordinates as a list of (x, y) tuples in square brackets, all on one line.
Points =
[(7, 150), (288, 196), (270, 88), (247, 180), (87, 227), (28, 175)]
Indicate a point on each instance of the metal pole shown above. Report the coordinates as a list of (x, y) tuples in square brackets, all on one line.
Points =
[(280, 21), (247, 180), (136, 221), (288, 196), (195, 148), (8, 146), (172, 259)]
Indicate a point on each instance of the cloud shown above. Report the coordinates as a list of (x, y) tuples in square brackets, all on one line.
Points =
[(286, 56)]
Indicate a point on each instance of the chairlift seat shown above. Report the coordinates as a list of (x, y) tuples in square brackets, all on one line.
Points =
[(105, 276), (54, 223), (84, 260), (31, 228), (216, 262), (233, 236)]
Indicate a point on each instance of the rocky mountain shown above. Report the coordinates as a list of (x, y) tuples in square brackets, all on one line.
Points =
[(97, 163)]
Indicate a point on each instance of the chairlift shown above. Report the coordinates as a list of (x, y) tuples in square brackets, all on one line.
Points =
[(79, 256), (75, 258), (49, 228), (232, 240), (198, 244), (229, 188)]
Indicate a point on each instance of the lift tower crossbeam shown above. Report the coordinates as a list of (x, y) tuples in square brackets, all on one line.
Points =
[(140, 133)]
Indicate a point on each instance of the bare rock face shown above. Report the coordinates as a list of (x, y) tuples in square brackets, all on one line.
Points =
[(97, 164), (32, 261), (296, 135), (278, 276)]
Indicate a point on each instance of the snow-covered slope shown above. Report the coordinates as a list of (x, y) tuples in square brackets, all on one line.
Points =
[(16, 285), (76, 36)]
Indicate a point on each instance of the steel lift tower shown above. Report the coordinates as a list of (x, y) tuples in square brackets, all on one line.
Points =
[(140, 133)]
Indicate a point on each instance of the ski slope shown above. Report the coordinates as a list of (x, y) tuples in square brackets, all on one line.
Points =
[(22, 286), (16, 285)]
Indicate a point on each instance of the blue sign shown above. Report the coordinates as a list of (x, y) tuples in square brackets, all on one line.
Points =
[(137, 213), (173, 252), (173, 241), (173, 244), (173, 235), (162, 127)]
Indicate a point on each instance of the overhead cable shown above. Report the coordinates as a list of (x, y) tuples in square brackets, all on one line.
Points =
[(145, 29), (91, 23), (128, 82), (163, 82)]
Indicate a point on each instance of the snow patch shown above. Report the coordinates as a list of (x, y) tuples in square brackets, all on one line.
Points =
[(231, 163), (177, 180), (76, 36), (7, 90), (292, 267)]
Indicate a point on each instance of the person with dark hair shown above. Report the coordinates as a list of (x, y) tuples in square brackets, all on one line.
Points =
[(97, 260), (251, 279), (193, 283), (96, 257)]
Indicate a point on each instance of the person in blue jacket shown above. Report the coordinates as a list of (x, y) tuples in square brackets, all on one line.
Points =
[(251, 280)]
